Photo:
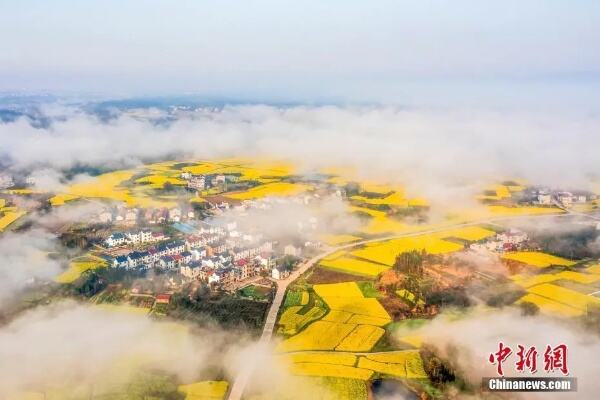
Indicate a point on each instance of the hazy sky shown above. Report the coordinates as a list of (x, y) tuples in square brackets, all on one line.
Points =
[(387, 50)]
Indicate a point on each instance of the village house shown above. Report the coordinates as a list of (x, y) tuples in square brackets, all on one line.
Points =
[(154, 255), (194, 241), (192, 270), (157, 236), (186, 256), (565, 198), (131, 216), (198, 253), (505, 241), (227, 275), (209, 263), (121, 262), (167, 262), (175, 214), (196, 182), (264, 261), (245, 269), (175, 247), (279, 273), (105, 217), (512, 236), (134, 237), (216, 248), (218, 180), (145, 236), (163, 299), (186, 175), (544, 199), (116, 239), (178, 259)]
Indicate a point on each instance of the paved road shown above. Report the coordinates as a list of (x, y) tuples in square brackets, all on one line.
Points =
[(241, 380)]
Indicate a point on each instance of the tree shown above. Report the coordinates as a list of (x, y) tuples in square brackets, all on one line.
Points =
[(529, 309), (352, 189), (288, 262), (410, 262), (439, 371)]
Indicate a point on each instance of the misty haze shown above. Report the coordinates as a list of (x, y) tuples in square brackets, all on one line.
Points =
[(299, 200)]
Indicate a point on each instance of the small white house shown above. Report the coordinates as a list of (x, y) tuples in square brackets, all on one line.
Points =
[(175, 214), (277, 273), (116, 239)]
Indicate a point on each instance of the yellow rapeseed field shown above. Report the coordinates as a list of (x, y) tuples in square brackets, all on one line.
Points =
[(384, 224), (293, 322), (158, 181), (551, 307), (514, 211), (354, 266), (403, 364), (346, 297), (537, 259), (320, 335), (369, 307), (79, 265), (361, 339), (334, 255), (565, 296), (305, 298), (345, 289), (412, 340), (335, 240), (8, 217), (386, 252), (340, 371), (202, 168), (368, 320), (372, 213), (395, 357), (270, 189), (394, 199), (528, 281), (206, 390), (322, 357), (376, 187), (594, 269), (502, 191), (338, 316), (470, 233)]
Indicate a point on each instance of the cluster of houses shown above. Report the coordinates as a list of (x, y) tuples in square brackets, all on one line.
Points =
[(206, 181), (546, 196), (132, 216), (509, 240), (212, 254), (133, 237)]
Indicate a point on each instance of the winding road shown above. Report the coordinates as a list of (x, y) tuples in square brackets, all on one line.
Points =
[(241, 380)]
